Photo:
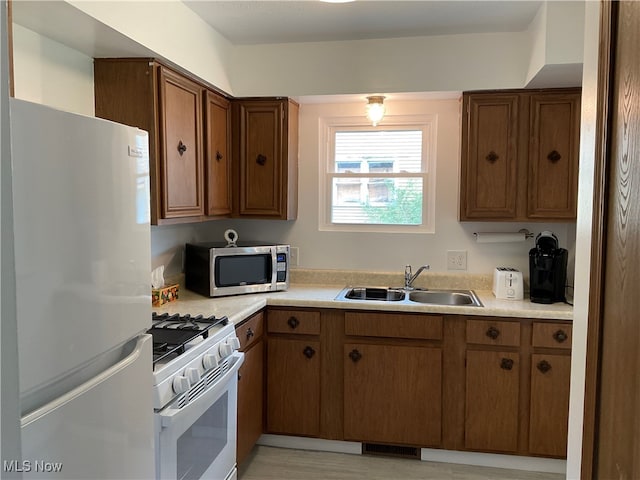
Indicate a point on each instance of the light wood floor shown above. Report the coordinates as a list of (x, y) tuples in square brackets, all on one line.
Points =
[(269, 463)]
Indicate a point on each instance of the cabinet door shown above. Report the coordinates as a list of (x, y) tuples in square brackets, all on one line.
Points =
[(293, 387), (261, 169), (553, 155), (217, 158), (393, 394), (250, 405), (489, 157), (491, 412), (549, 412), (181, 134)]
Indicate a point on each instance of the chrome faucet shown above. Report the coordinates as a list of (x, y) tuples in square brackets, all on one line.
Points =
[(409, 278)]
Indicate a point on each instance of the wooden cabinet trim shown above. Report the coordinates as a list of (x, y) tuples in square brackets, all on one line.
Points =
[(250, 331), (552, 335), (390, 325), (493, 332), (295, 322)]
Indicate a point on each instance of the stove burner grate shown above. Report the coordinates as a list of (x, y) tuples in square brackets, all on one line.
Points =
[(172, 332)]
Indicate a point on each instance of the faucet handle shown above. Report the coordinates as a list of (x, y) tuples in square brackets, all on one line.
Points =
[(407, 270)]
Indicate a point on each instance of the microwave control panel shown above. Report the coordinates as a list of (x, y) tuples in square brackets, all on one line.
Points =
[(281, 267)]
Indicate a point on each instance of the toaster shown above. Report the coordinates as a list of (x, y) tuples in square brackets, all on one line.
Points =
[(507, 283)]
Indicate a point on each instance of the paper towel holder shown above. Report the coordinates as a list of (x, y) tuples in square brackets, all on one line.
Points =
[(508, 235)]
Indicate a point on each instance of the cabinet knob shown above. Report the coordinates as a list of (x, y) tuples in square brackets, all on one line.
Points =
[(249, 333), (493, 333), (308, 352), (293, 322), (355, 355), (554, 156), (261, 159), (492, 156), (543, 366), (181, 148), (506, 364), (560, 336), (218, 156)]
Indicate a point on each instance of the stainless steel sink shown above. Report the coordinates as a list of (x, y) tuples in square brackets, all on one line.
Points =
[(445, 297), (374, 293), (431, 297)]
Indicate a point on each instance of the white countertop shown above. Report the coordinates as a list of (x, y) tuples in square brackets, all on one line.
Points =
[(240, 307)]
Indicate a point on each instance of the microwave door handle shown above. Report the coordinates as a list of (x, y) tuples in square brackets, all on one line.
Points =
[(171, 415)]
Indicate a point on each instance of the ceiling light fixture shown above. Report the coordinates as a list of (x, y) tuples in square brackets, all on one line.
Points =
[(375, 109)]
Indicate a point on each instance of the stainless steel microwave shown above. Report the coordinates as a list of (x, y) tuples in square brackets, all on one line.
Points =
[(216, 269)]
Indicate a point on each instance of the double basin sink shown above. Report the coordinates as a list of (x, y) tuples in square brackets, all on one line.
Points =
[(466, 298)]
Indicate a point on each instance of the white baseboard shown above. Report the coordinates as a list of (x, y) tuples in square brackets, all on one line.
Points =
[(513, 462), (306, 443)]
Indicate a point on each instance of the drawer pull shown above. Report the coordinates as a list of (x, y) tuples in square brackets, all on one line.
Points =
[(355, 355), (309, 352), (493, 333), (249, 333), (293, 322), (560, 336), (554, 156), (506, 364), (492, 157), (543, 366)]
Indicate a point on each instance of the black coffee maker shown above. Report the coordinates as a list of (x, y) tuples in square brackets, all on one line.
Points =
[(547, 269)]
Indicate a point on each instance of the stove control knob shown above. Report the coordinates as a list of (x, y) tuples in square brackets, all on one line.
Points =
[(193, 374), (180, 384), (234, 342), (225, 350), (209, 361)]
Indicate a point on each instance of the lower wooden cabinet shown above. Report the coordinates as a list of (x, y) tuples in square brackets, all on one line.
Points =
[(484, 384), (393, 394), (549, 409), (293, 387), (250, 400), (492, 401)]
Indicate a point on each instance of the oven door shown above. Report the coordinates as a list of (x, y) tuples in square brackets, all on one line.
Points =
[(198, 440)]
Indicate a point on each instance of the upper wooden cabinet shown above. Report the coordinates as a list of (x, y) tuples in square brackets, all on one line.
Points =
[(265, 138), (520, 155), (188, 127), (217, 126)]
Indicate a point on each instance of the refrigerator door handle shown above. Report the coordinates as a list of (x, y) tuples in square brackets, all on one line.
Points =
[(88, 385)]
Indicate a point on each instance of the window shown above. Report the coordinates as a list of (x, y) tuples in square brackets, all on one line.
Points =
[(378, 178)]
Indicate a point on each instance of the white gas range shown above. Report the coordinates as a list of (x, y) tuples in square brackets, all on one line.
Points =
[(196, 362)]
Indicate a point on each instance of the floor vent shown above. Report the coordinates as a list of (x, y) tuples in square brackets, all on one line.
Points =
[(390, 450)]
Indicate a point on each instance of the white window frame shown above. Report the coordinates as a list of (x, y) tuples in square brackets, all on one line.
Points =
[(427, 123)]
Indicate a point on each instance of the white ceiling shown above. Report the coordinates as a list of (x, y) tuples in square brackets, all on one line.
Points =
[(246, 22)]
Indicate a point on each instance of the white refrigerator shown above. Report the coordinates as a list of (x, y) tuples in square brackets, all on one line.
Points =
[(82, 260)]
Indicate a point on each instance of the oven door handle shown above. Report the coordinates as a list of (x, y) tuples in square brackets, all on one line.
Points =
[(170, 415)]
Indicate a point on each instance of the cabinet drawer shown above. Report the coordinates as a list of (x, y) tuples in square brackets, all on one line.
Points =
[(250, 331), (551, 335), (293, 321), (493, 332), (395, 326)]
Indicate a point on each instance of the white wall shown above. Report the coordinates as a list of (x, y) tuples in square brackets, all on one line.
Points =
[(50, 73), (171, 30), (419, 64)]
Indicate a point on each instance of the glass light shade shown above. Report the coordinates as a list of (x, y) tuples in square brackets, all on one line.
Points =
[(375, 109)]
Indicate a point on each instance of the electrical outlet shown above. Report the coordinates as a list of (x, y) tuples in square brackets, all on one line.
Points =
[(294, 253), (456, 259)]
